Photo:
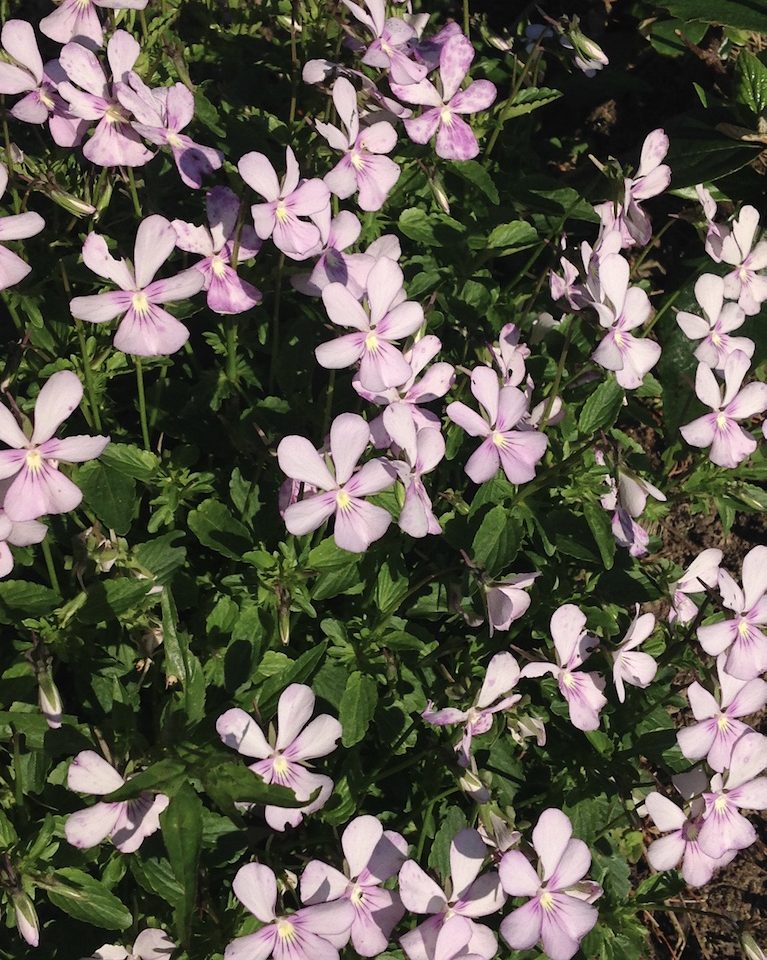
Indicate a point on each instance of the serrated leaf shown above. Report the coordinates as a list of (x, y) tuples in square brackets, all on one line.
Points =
[(86, 899), (497, 540), (130, 460), (599, 523), (529, 99), (23, 599), (601, 409), (743, 14), (751, 82), (109, 494), (476, 174), (358, 705), (160, 777), (512, 236), (439, 856), (109, 599), (298, 672), (215, 527)]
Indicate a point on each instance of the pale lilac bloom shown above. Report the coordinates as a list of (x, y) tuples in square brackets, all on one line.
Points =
[(588, 57), (333, 265), (517, 451), (741, 636), (16, 533), (39, 487), (703, 572), (741, 788), (128, 822), (468, 893), (714, 331), (389, 317), (91, 96), (363, 168), (160, 116), (286, 203), (227, 292), (18, 226), (730, 443), (25, 915), (150, 944), (78, 20), (284, 762), (681, 840), (715, 232), (357, 523), (390, 48), (558, 913), (28, 75), (627, 499), (375, 103), (500, 679), (455, 139), (373, 855), (581, 690), (629, 665), (568, 285), (145, 330), (507, 601), (744, 283), (510, 355), (423, 450), (719, 727), (623, 308), (307, 934)]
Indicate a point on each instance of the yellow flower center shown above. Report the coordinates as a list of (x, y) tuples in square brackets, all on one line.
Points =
[(716, 339), (280, 765), (547, 901), (46, 100), (343, 500), (720, 804), (499, 440), (371, 342), (721, 422), (743, 628), (446, 116), (218, 266), (34, 460), (723, 722), (140, 303), (619, 339), (358, 161), (281, 212), (286, 930), (174, 140), (358, 895), (568, 679), (114, 114)]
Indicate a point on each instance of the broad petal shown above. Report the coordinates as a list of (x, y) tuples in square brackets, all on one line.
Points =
[(456, 140), (359, 840), (299, 460), (479, 95), (90, 773), (20, 226), (372, 477), (419, 892), (517, 875), (75, 449), (256, 946), (484, 463), (501, 676), (10, 432), (256, 170), (522, 928), (83, 69), (359, 525), (572, 867), (349, 438), (152, 333), (100, 307), (155, 241), (309, 514), (468, 419), (255, 887), (320, 883), (551, 836), (239, 731), (342, 307), (318, 739), (87, 828), (294, 710), (665, 853), (467, 854), (96, 257), (58, 399), (665, 814)]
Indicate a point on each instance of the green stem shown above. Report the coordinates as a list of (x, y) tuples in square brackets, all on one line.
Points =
[(49, 565), (294, 65), (133, 193), (142, 402), (88, 373), (328, 402), (554, 392), (231, 349), (276, 322), (466, 19)]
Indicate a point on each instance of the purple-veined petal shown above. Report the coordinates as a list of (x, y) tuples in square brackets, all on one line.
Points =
[(306, 515)]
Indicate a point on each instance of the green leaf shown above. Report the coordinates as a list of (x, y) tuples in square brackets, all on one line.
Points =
[(529, 99), (215, 527), (228, 783), (513, 236), (439, 857), (109, 494), (599, 523), (358, 705), (109, 599), (299, 672), (18, 598), (181, 825), (497, 540), (476, 174), (743, 14), (751, 82), (130, 460), (160, 777), (431, 229), (601, 409), (86, 899)]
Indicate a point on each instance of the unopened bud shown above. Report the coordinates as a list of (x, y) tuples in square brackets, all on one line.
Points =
[(751, 949), (26, 918), (283, 620), (49, 700), (440, 194), (473, 787), (72, 204)]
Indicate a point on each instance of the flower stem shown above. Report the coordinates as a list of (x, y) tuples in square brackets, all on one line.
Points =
[(49, 565), (466, 17), (231, 349), (142, 402), (95, 416), (133, 193)]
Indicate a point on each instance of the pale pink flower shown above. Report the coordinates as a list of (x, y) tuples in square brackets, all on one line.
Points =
[(741, 636), (390, 47), (39, 487), (720, 319), (744, 283), (507, 601), (573, 645), (730, 443), (285, 762), (715, 232), (719, 727), (510, 355), (78, 20), (630, 666), (702, 572), (468, 893), (145, 330), (150, 944), (681, 841), (306, 934), (18, 226), (333, 265), (373, 855), (15, 533), (517, 451), (628, 499), (557, 915), (128, 822)]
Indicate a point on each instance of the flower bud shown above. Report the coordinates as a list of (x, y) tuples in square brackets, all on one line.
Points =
[(440, 194), (751, 949), (49, 699), (72, 204), (473, 787), (26, 918)]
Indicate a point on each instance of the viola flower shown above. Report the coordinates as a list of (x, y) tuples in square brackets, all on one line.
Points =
[(228, 293), (467, 894), (278, 218), (389, 317), (145, 329), (390, 48), (160, 116), (741, 788), (718, 727), (128, 822), (628, 499), (306, 934), (363, 168), (39, 487), (582, 691), (427, 50), (333, 265), (114, 142), (730, 443), (507, 601), (638, 669), (744, 283), (516, 451), (681, 842), (17, 534), (715, 232), (78, 20), (741, 637), (357, 522), (500, 679), (510, 355), (18, 226), (25, 915), (455, 138), (720, 319), (703, 572), (623, 308), (373, 855), (28, 75), (423, 450), (150, 944), (285, 761), (557, 915)]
